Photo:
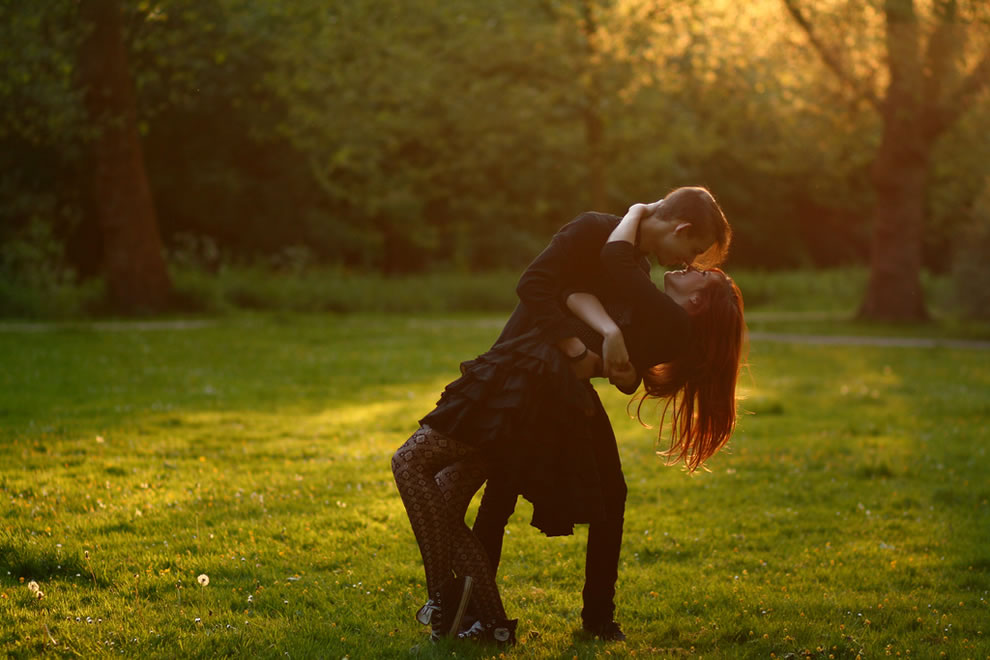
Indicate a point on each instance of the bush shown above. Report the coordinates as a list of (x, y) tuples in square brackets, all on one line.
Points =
[(970, 269), (35, 281), (838, 289), (322, 290), (65, 301)]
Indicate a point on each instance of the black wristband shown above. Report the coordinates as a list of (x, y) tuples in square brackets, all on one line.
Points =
[(580, 356)]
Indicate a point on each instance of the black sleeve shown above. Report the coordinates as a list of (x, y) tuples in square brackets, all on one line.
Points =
[(596, 288), (569, 263), (626, 282)]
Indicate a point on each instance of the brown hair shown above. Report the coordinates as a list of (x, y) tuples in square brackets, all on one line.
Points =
[(700, 385), (697, 206)]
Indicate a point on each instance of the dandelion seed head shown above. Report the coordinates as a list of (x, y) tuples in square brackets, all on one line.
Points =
[(33, 586), (39, 594), (203, 579)]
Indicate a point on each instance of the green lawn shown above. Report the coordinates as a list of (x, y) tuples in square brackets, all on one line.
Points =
[(851, 515)]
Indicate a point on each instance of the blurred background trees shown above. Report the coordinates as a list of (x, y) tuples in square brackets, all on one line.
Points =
[(458, 135), (925, 76)]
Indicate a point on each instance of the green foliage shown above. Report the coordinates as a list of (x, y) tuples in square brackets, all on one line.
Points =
[(408, 137), (39, 104), (218, 168), (836, 290), (333, 290), (849, 516), (958, 189), (206, 283), (970, 269), (35, 280), (423, 131), (35, 259), (69, 300)]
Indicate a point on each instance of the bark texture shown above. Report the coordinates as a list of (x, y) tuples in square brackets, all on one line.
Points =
[(900, 179), (916, 110), (594, 122), (135, 269)]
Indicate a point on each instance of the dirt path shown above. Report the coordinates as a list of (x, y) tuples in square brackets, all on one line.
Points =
[(861, 340), (106, 326), (783, 337)]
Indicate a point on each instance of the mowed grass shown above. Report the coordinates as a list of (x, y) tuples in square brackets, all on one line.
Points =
[(850, 516)]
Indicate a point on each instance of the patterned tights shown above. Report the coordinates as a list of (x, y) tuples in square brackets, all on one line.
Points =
[(436, 477)]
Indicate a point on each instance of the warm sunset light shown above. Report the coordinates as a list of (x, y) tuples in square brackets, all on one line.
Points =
[(491, 329)]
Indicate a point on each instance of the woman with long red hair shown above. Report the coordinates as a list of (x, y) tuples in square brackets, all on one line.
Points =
[(698, 381), (525, 416)]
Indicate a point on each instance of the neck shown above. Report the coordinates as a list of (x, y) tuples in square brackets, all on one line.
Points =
[(681, 300)]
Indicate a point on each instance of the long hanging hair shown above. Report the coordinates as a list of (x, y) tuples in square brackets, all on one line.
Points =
[(699, 386)]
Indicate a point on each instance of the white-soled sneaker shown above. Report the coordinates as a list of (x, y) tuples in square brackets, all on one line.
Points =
[(502, 633), (445, 610)]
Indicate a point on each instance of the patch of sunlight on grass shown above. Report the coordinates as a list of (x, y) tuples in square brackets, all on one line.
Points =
[(850, 511), (363, 415)]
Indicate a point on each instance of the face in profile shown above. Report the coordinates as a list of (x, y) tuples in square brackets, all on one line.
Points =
[(679, 246), (685, 286)]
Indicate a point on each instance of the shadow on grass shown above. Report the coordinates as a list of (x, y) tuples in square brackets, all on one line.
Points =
[(40, 564)]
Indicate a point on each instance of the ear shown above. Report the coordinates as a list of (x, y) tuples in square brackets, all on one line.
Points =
[(683, 227), (695, 302)]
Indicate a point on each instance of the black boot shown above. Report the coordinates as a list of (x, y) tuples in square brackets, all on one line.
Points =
[(445, 610), (501, 632), (607, 631)]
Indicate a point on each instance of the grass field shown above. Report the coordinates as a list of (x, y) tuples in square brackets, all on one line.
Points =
[(851, 516)]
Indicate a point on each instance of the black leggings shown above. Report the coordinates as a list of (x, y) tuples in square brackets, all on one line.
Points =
[(436, 477)]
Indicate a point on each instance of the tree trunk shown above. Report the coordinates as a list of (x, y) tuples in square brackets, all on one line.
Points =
[(900, 179), (135, 268), (915, 113), (594, 123), (595, 139)]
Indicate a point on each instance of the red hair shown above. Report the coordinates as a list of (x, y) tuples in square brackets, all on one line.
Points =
[(700, 385)]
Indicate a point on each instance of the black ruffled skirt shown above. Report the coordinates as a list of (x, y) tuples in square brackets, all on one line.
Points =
[(535, 425)]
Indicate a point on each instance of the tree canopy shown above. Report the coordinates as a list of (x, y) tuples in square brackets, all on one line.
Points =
[(410, 136)]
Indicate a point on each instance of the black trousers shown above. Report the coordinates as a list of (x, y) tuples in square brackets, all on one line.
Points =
[(601, 569)]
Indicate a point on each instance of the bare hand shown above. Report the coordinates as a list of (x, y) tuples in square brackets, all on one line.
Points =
[(624, 378), (652, 208), (615, 357), (641, 210), (588, 367)]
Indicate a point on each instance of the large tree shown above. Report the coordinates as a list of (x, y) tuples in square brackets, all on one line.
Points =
[(136, 274), (932, 77)]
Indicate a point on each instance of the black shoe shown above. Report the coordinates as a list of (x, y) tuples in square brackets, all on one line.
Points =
[(502, 633), (608, 631), (445, 610)]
